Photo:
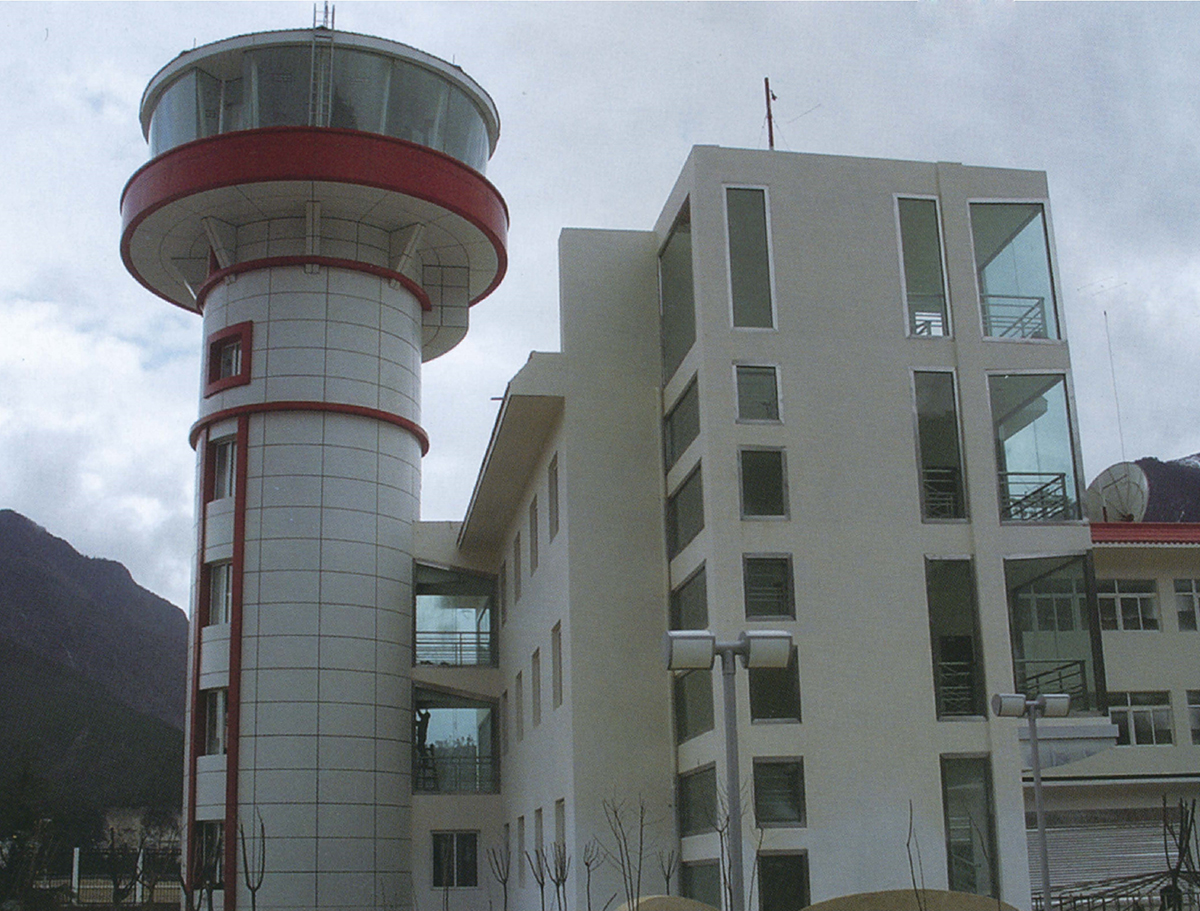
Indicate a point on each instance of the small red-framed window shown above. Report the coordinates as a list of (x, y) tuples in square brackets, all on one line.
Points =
[(228, 358)]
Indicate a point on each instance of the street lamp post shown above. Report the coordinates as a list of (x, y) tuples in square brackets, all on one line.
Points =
[(1014, 705), (696, 650)]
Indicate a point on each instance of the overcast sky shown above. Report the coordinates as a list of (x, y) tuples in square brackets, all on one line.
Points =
[(599, 104)]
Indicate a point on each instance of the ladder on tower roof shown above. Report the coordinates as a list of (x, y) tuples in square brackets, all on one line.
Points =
[(320, 96)]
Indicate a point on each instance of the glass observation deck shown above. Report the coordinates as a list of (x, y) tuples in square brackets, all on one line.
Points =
[(322, 78)]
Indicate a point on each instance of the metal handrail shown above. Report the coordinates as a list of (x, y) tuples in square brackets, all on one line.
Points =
[(1013, 316), (943, 493), (447, 774), (1058, 677), (455, 649), (1033, 496)]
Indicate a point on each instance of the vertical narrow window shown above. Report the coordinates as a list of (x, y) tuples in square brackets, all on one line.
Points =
[(757, 393), (693, 704), (220, 593), (455, 860), (521, 851), (210, 852), (1055, 639), (763, 475), (517, 568), (970, 824), (539, 843), (938, 447), (216, 730), (697, 801), (783, 881), (504, 722), (689, 602), (535, 688), (775, 692), (681, 425), (560, 822), (779, 792), (552, 496), (519, 706), (749, 259), (533, 536), (954, 638), (1035, 458), (685, 513), (223, 456), (1187, 599), (1193, 701), (1012, 259), (502, 591), (921, 255), (767, 586), (676, 303), (556, 664)]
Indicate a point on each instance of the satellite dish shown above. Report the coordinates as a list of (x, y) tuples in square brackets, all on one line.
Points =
[(1119, 494)]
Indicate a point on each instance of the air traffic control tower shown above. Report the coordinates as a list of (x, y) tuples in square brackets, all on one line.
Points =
[(318, 198)]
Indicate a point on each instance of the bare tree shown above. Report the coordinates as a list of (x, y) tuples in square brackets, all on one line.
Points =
[(254, 859), (121, 866), (560, 869), (537, 863), (667, 863), (500, 862), (593, 857), (1183, 839), (627, 855)]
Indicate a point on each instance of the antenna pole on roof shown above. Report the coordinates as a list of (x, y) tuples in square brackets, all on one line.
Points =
[(1112, 371), (326, 19), (770, 118)]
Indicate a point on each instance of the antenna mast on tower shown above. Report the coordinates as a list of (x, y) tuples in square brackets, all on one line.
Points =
[(770, 118)]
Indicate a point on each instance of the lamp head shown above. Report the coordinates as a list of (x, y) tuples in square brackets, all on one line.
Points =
[(767, 648), (689, 649)]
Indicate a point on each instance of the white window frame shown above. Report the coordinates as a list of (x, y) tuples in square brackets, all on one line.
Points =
[(1116, 596), (220, 593), (774, 327), (1193, 597), (949, 327), (737, 396), (1162, 710)]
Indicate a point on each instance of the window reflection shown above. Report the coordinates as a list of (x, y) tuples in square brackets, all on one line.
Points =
[(1035, 461), (1013, 260)]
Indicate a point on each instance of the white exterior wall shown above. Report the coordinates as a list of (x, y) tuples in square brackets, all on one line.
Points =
[(325, 726)]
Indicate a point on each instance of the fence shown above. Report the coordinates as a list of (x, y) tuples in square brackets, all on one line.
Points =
[(108, 877)]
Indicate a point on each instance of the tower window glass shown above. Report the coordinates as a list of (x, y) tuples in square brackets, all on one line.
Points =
[(697, 801), (767, 586), (685, 513), (757, 394), (775, 692), (681, 425), (957, 647), (1012, 258), (763, 483), (693, 704), (942, 490), (689, 603), (970, 824), (676, 302), (779, 792), (749, 259), (924, 281)]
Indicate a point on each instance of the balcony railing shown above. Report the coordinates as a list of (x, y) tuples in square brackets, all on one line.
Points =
[(451, 774), (1035, 496), (957, 691), (1014, 316), (455, 649), (1053, 675), (943, 493), (927, 314)]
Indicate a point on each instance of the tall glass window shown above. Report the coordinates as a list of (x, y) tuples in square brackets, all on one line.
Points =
[(454, 617), (942, 490), (693, 704), (924, 281), (1012, 258), (775, 692), (689, 603), (1035, 458), (681, 425), (453, 743), (685, 513), (697, 801), (958, 681), (676, 301), (970, 824), (749, 260), (1055, 642)]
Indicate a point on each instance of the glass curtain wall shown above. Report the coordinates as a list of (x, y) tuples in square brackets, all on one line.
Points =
[(1012, 257), (454, 617), (453, 744), (1035, 458)]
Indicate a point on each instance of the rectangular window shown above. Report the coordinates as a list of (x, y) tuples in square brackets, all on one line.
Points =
[(560, 822), (223, 458), (454, 617), (689, 603), (454, 749), (519, 707), (942, 490), (767, 586), (958, 681), (763, 474), (455, 860), (1035, 458), (552, 495), (521, 851), (228, 358), (504, 722), (1187, 602), (216, 723), (676, 303), (556, 664), (1141, 718), (697, 801), (779, 792), (700, 881), (1127, 604), (210, 853), (535, 682), (1055, 639), (1193, 698), (783, 881), (502, 591), (681, 425), (533, 536), (517, 568), (775, 692), (749, 259), (757, 394), (685, 513), (970, 824), (693, 704), (1012, 259), (921, 257), (220, 593)]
